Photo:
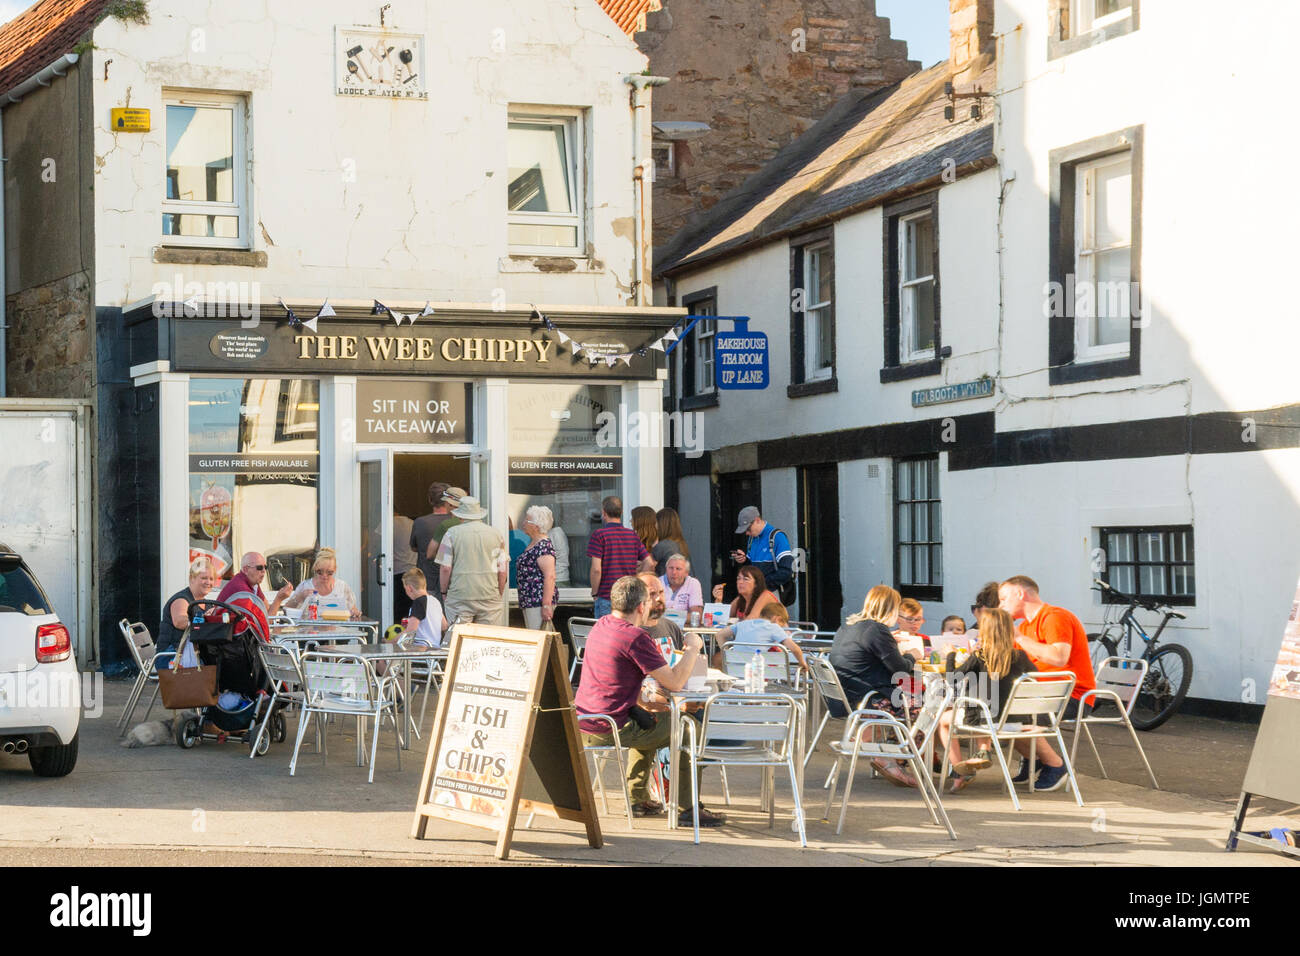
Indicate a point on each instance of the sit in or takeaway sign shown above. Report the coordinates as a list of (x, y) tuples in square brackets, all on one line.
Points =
[(740, 357), (412, 411)]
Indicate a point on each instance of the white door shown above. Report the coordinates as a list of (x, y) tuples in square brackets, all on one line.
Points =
[(376, 504)]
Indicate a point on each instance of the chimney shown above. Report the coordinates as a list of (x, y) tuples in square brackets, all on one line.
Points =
[(970, 28)]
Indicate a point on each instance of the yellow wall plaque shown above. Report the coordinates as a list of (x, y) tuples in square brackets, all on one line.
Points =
[(130, 121)]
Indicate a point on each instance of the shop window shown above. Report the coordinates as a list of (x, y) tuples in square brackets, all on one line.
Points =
[(254, 468), (205, 188), (546, 195), (918, 529), (1156, 564), (564, 453)]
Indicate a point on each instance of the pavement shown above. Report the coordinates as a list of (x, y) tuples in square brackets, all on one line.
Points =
[(212, 805)]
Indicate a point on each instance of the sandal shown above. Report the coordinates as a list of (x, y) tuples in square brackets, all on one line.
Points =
[(959, 782), (894, 773), (976, 762)]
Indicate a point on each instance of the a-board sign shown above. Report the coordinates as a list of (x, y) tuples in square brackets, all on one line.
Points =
[(1274, 770), (506, 737), (740, 357)]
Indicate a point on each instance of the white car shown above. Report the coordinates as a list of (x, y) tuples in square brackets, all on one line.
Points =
[(40, 687)]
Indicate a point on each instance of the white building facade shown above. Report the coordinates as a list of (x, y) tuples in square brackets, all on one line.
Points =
[(472, 171), (1061, 436)]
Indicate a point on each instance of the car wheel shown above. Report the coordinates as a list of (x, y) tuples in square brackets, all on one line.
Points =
[(54, 761)]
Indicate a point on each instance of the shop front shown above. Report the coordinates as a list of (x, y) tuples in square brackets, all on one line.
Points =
[(282, 438)]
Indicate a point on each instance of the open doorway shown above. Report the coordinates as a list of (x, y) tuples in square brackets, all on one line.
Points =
[(412, 474)]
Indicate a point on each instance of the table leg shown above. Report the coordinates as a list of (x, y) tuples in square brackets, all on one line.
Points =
[(675, 746), (406, 705)]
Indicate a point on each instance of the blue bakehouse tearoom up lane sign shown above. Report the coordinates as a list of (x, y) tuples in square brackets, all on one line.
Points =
[(739, 357)]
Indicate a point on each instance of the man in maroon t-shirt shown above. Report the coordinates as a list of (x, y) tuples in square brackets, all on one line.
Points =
[(252, 572), (615, 551), (619, 656)]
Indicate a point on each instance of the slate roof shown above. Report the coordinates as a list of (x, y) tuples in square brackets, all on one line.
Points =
[(870, 148), (629, 14), (41, 34)]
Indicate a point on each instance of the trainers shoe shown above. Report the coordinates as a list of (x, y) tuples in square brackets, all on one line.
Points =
[(708, 819), (647, 808), (1050, 778), (1022, 776), (977, 761)]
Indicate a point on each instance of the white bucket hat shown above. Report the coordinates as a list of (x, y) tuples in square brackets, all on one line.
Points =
[(469, 509)]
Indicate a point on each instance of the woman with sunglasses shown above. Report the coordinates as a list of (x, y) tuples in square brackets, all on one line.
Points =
[(324, 587)]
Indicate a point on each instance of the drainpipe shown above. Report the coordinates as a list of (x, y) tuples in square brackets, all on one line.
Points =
[(639, 103), (58, 68)]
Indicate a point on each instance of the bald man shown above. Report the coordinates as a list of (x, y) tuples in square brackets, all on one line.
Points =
[(252, 571)]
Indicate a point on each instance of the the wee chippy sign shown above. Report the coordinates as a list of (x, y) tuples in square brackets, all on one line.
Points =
[(505, 738)]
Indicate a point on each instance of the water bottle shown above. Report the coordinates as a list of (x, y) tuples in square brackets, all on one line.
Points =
[(749, 677), (760, 673)]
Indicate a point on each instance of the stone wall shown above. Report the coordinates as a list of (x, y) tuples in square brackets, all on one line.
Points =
[(50, 340), (759, 72)]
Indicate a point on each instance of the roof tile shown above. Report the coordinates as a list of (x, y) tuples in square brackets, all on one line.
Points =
[(41, 34)]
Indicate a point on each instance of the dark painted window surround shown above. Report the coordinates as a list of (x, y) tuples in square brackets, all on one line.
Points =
[(1064, 162), (893, 371), (690, 401), (1060, 44), (798, 388)]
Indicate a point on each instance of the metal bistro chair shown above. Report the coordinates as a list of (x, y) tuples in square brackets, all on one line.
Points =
[(147, 660), (765, 724), (1042, 694), (281, 666), (426, 676), (579, 629), (834, 701), (896, 742), (600, 753), (346, 684), (1118, 680), (780, 665)]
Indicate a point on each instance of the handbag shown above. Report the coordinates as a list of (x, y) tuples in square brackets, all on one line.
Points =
[(183, 688)]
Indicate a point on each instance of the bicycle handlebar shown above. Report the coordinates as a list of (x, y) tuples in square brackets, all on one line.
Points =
[(1136, 601)]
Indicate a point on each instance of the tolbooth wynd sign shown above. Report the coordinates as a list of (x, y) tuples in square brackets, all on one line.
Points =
[(740, 356), (412, 411), (980, 388)]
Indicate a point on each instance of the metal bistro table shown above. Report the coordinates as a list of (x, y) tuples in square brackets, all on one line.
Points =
[(393, 652), (303, 633), (680, 698)]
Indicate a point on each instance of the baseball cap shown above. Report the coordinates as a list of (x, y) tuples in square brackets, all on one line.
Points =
[(453, 495), (747, 517)]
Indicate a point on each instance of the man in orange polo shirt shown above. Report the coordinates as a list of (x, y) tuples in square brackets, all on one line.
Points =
[(1055, 640)]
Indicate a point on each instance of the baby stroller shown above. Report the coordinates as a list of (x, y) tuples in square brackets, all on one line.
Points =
[(225, 635)]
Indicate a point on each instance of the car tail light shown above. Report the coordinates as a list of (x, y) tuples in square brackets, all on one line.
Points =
[(52, 643)]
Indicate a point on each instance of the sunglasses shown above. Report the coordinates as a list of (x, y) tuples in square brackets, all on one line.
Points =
[(255, 567)]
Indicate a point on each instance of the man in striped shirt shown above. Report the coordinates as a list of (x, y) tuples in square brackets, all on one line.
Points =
[(615, 552)]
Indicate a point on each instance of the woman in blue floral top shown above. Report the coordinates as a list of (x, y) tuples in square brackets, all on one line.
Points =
[(535, 569)]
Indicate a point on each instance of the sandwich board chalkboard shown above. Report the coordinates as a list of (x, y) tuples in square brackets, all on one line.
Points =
[(1274, 770), (505, 738)]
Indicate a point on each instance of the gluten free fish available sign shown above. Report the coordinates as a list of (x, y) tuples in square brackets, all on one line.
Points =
[(740, 357)]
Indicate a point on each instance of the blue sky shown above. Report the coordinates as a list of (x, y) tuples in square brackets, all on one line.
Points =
[(922, 23), (11, 8)]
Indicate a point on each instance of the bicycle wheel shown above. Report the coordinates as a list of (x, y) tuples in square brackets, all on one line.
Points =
[(1101, 646), (1169, 676)]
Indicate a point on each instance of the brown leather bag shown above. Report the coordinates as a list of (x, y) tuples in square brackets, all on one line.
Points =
[(183, 688)]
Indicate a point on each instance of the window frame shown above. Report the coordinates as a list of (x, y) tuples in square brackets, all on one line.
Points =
[(692, 396), (896, 367), (1065, 363), (238, 104), (1166, 531), (573, 119), (811, 374), (801, 384), (1063, 38), (920, 592), (1089, 23), (907, 318), (1086, 248)]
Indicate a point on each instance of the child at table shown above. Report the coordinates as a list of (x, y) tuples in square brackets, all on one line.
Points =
[(426, 624), (999, 658)]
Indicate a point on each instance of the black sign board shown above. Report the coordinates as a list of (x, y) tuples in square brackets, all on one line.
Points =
[(413, 412), (611, 465), (427, 348)]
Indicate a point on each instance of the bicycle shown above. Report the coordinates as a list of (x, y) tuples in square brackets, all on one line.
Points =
[(1169, 666)]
